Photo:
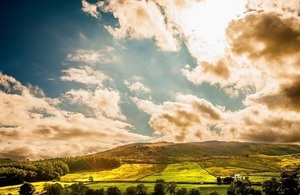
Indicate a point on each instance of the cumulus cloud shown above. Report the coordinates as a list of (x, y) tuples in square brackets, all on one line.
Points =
[(188, 119), (260, 124), (231, 76), (271, 43), (35, 126), (267, 36), (85, 75), (140, 19), (90, 8), (101, 102), (135, 86), (92, 57), (285, 97)]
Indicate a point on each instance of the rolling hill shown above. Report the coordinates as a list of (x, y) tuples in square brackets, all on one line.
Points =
[(167, 152)]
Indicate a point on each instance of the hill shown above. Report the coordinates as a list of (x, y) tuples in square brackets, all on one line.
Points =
[(167, 152)]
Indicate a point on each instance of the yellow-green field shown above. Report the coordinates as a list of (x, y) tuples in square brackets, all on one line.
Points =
[(179, 172), (126, 172), (182, 172)]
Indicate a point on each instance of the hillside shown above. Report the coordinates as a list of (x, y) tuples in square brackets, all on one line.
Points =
[(167, 152)]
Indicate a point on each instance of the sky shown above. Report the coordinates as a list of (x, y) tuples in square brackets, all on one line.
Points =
[(79, 77)]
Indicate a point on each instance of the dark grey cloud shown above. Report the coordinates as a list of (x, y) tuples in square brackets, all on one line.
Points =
[(288, 97), (265, 35), (272, 130)]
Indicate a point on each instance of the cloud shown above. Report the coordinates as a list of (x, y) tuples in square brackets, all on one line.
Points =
[(285, 7), (266, 36), (101, 102), (136, 86), (202, 25), (138, 20), (271, 43), (90, 8), (286, 97), (35, 126), (92, 57), (188, 119), (231, 76), (257, 121), (85, 75)]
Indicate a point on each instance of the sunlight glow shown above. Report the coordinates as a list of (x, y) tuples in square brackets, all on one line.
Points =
[(204, 25)]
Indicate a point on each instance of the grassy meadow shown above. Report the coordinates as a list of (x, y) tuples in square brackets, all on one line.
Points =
[(182, 172)]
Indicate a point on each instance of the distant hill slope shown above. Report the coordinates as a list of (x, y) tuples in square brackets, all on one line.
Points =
[(167, 152)]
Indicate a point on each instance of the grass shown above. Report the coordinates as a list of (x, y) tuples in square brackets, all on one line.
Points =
[(182, 172), (263, 176), (126, 172)]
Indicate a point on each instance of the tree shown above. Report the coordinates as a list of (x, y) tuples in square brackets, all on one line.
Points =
[(91, 179), (228, 180), (53, 189), (214, 193), (194, 192), (181, 191), (26, 189), (171, 187), (242, 187), (159, 188), (141, 189), (271, 187), (78, 188), (219, 180), (289, 184), (131, 190), (113, 191), (99, 191), (95, 192)]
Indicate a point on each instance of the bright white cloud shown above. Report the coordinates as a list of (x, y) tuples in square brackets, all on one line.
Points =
[(85, 75), (135, 86), (90, 8), (101, 103), (141, 19)]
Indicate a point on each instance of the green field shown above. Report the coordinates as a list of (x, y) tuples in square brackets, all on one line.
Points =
[(182, 172), (178, 172), (126, 172)]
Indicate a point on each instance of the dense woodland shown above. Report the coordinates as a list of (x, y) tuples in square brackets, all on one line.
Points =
[(47, 170)]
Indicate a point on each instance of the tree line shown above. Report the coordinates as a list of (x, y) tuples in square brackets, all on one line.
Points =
[(161, 188), (94, 162), (52, 169), (18, 172)]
